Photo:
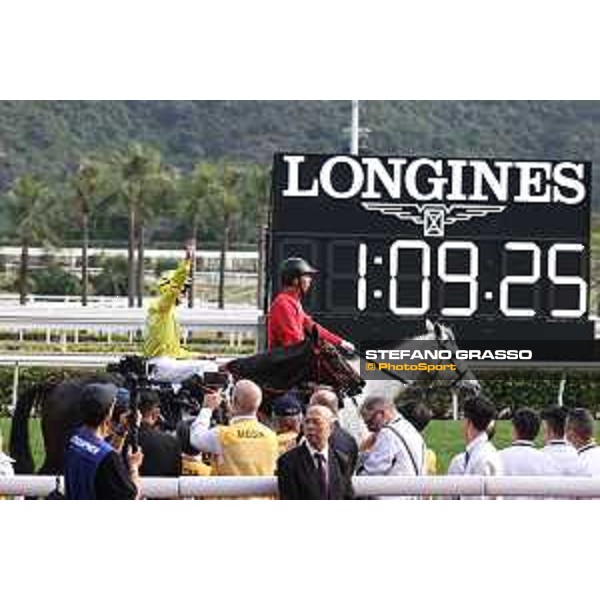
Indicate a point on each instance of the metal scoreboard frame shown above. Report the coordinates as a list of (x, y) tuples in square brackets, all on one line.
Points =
[(497, 248)]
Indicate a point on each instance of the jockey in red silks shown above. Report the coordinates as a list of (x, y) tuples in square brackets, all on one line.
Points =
[(288, 324)]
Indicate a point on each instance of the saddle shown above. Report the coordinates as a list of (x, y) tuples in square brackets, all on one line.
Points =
[(174, 399), (281, 368), (131, 367)]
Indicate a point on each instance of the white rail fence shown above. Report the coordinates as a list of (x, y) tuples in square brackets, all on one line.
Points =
[(236, 279), (432, 486), (68, 318), (238, 323)]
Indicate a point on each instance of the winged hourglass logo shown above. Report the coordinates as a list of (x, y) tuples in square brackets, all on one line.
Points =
[(433, 217)]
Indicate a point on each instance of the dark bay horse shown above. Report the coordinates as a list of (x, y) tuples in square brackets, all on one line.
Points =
[(58, 404), (301, 367)]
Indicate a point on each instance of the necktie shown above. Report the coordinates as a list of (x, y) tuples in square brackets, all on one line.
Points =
[(322, 475)]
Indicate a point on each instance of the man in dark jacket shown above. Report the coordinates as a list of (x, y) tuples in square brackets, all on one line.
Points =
[(162, 452), (314, 470), (94, 470), (340, 440)]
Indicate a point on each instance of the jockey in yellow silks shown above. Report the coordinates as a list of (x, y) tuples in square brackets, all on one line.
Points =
[(162, 344)]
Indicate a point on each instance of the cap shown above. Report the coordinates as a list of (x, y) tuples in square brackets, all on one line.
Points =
[(96, 401), (165, 280), (287, 405), (123, 397)]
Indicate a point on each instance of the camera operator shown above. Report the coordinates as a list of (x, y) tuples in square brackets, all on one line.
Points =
[(245, 446), (120, 420), (162, 452), (94, 469)]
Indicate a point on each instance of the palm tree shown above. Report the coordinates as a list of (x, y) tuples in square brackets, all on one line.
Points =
[(137, 166), (257, 187), (86, 183), (157, 188), (226, 207), (195, 193), (30, 204)]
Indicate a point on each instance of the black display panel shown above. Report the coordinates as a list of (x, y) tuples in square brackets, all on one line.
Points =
[(496, 248)]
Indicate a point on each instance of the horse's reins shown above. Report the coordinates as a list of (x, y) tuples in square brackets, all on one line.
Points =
[(461, 374)]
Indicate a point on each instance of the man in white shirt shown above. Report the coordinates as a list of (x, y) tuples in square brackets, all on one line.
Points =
[(581, 432), (457, 464), (6, 467), (481, 457), (397, 448), (556, 447), (522, 457)]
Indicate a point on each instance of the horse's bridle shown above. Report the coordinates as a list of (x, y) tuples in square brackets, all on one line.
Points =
[(442, 345), (346, 375)]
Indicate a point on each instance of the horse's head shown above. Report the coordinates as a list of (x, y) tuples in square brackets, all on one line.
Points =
[(446, 340), (436, 330), (331, 368)]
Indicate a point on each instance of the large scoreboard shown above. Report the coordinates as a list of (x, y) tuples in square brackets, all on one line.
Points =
[(498, 249)]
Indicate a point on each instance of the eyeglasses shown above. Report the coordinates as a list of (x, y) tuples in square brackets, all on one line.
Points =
[(370, 416)]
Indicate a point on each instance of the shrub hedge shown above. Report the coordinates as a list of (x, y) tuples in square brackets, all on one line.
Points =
[(29, 376), (508, 389)]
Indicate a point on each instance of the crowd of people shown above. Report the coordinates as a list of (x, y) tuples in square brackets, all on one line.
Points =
[(306, 447)]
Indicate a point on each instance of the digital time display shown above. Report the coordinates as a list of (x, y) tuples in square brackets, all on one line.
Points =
[(494, 248)]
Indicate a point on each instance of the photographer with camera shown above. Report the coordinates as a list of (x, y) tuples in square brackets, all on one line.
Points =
[(162, 452), (245, 446), (169, 360), (94, 469)]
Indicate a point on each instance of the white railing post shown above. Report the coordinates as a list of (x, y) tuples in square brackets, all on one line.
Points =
[(561, 387), (454, 394), (15, 388)]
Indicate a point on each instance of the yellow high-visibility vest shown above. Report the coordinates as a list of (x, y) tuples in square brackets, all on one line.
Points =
[(430, 462), (286, 440), (248, 448), (191, 465)]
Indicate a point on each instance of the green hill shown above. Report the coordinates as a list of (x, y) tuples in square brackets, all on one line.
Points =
[(49, 137)]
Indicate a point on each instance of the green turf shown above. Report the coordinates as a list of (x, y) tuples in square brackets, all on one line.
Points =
[(444, 437), (35, 438)]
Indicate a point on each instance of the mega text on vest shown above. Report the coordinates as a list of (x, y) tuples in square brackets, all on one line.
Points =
[(249, 433)]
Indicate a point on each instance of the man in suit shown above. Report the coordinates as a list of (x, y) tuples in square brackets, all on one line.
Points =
[(340, 439), (314, 470), (162, 452)]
